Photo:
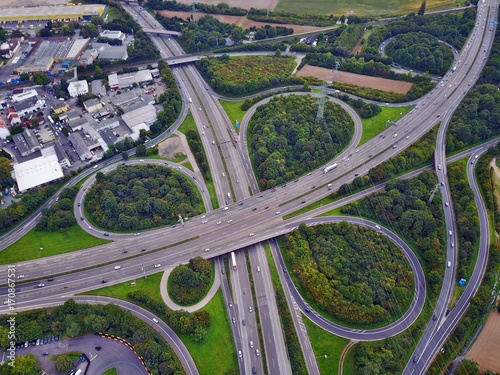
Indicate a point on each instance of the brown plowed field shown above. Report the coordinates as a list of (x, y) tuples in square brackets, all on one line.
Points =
[(241, 21), (383, 84), (485, 349)]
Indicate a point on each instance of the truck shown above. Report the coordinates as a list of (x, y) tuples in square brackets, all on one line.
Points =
[(329, 168), (233, 259), (50, 119), (453, 69)]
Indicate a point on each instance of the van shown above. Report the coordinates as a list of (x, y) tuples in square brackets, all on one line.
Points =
[(449, 264)]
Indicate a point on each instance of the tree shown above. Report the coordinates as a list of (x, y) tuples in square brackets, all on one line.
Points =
[(63, 363), (40, 79), (140, 150), (34, 122), (277, 53), (25, 365), (125, 155), (421, 11)]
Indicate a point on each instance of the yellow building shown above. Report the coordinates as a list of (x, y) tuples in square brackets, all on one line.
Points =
[(58, 13)]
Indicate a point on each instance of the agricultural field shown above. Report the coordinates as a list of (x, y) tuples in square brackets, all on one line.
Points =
[(377, 83), (361, 8)]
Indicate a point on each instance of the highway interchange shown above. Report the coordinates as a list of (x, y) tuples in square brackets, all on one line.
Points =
[(231, 171)]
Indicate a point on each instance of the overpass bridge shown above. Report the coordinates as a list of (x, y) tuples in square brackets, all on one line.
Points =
[(162, 31)]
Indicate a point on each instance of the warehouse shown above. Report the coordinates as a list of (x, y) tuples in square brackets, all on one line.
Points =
[(57, 12), (38, 171)]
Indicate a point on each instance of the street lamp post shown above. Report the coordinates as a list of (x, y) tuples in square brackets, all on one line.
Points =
[(323, 356)]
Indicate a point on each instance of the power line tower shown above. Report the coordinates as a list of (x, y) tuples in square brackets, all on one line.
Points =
[(433, 193), (193, 11), (321, 104), (336, 71)]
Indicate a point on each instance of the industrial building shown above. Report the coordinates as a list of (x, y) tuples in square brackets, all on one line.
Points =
[(121, 81), (57, 12), (46, 51), (26, 142), (113, 34), (76, 88), (38, 171)]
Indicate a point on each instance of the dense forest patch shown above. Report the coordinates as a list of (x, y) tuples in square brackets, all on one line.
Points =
[(403, 205), (351, 272), (476, 119), (188, 283), (421, 51), (247, 74), (285, 141), (141, 197)]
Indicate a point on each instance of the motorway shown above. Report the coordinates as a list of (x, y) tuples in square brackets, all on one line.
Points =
[(264, 222)]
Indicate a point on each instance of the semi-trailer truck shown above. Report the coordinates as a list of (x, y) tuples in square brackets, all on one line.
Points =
[(329, 168), (233, 259)]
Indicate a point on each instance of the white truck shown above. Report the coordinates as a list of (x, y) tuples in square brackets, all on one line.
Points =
[(329, 168)]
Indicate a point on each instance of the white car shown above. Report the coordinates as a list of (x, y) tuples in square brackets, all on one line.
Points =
[(251, 234), (206, 250), (117, 267), (229, 221), (157, 265), (202, 216), (155, 320), (20, 276), (204, 221)]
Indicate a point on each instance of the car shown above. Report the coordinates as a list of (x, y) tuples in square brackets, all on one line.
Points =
[(273, 190), (223, 174), (239, 353), (202, 216), (395, 135), (251, 344), (254, 370), (377, 226), (207, 250), (117, 267), (446, 204), (50, 279), (230, 304), (234, 320), (230, 221), (243, 322), (278, 212), (297, 180), (155, 320), (219, 222), (356, 174), (415, 359), (440, 167), (158, 265), (439, 115), (257, 353), (450, 232), (254, 209), (40, 285), (240, 204), (284, 185), (250, 234), (370, 155), (81, 217), (442, 350), (20, 276), (250, 309), (313, 187), (124, 251), (136, 234), (143, 250), (225, 208), (141, 159), (434, 317), (79, 204), (303, 201), (103, 282), (407, 137), (56, 338), (442, 183), (204, 221), (394, 146), (106, 234)]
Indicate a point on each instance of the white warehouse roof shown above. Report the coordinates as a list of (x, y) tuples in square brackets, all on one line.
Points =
[(38, 171)]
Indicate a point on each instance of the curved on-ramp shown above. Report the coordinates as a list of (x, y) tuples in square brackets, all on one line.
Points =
[(392, 329)]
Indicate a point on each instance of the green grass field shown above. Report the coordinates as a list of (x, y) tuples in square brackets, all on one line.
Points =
[(218, 344), (233, 111), (376, 124), (189, 124), (111, 371), (362, 8), (324, 343), (112, 13), (150, 286), (53, 243)]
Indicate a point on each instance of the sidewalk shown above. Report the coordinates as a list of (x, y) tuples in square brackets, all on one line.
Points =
[(172, 305)]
